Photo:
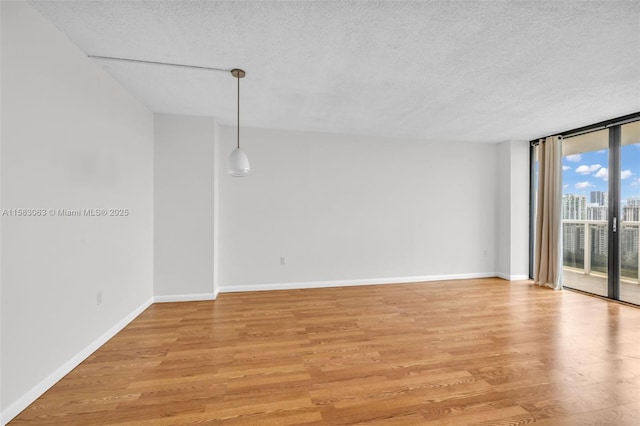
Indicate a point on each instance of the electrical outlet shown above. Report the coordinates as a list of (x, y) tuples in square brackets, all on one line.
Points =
[(99, 298)]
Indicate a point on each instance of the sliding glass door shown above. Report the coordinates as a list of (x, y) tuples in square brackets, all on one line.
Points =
[(585, 218), (629, 205), (601, 212)]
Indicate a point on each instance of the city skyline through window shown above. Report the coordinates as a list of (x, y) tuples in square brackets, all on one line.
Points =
[(588, 172)]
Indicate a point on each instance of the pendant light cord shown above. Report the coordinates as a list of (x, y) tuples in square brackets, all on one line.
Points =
[(139, 61), (238, 112)]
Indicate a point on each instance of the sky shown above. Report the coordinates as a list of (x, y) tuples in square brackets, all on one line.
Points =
[(588, 171)]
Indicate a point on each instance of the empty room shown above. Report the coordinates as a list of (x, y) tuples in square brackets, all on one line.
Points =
[(319, 212)]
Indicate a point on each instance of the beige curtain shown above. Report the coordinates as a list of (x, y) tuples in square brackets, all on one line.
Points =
[(548, 243)]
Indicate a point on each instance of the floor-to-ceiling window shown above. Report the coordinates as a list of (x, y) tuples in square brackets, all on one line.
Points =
[(629, 207), (585, 217), (601, 209)]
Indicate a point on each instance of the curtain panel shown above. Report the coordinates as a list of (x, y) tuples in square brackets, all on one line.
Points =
[(548, 238)]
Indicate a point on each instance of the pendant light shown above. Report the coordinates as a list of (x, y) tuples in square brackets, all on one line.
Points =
[(238, 162)]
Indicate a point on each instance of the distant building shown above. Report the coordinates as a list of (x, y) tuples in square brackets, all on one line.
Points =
[(633, 202), (600, 198), (574, 207), (573, 241), (629, 243), (631, 213), (599, 240), (597, 212)]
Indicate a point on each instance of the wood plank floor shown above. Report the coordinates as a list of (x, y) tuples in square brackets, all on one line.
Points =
[(482, 352)]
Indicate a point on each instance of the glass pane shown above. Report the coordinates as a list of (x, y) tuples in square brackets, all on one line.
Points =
[(599, 247), (630, 212), (585, 201)]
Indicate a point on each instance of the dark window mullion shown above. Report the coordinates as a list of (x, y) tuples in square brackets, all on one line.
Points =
[(614, 213)]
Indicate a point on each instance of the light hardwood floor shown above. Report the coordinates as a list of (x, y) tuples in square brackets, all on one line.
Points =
[(456, 352)]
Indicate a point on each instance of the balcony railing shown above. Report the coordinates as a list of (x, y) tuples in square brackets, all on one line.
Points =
[(585, 247)]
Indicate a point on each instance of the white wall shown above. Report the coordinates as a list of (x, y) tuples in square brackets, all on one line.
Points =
[(355, 208), (71, 138), (184, 207), (503, 217), (513, 210), (519, 206)]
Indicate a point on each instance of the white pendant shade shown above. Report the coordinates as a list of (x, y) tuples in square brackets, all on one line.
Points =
[(239, 163)]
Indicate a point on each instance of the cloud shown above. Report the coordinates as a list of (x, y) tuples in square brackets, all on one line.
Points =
[(602, 151), (574, 158), (565, 168), (586, 170), (603, 174), (583, 185), (635, 182), (565, 186)]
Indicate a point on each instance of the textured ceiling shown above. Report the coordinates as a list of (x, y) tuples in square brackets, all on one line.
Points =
[(481, 71)]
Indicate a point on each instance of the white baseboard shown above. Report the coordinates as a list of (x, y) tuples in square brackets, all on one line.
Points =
[(185, 297), (347, 283), (519, 277), (512, 277), (25, 400)]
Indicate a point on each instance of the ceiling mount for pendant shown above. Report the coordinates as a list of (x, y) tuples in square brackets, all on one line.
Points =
[(238, 73)]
